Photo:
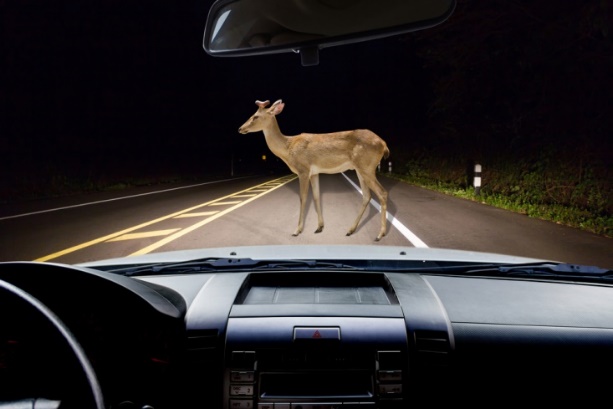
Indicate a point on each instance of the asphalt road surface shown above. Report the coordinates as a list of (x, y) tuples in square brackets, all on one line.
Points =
[(264, 210)]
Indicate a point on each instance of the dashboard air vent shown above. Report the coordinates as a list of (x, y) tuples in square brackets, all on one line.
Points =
[(202, 344), (432, 349)]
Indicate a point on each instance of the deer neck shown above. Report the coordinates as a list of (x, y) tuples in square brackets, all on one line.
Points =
[(276, 141)]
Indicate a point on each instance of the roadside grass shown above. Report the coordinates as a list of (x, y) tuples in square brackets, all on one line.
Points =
[(579, 199)]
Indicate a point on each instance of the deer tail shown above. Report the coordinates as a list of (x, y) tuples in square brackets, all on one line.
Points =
[(386, 152)]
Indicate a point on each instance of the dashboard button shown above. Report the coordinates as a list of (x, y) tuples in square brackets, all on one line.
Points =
[(390, 389), (388, 376), (315, 333), (243, 359), (241, 376), (241, 404), (241, 390)]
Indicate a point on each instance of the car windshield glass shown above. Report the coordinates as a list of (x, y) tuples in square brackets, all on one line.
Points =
[(121, 136)]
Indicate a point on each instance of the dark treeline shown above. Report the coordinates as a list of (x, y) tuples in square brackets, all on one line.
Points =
[(528, 93), (535, 73)]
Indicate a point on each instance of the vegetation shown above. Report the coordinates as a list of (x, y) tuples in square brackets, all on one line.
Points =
[(529, 97), (572, 193)]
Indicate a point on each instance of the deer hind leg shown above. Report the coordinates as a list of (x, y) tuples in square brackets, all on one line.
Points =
[(304, 190), (381, 193), (315, 189), (365, 200)]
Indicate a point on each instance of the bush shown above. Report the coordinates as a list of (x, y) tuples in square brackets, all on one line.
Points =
[(571, 192)]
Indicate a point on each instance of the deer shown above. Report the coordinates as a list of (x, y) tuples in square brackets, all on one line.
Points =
[(309, 154)]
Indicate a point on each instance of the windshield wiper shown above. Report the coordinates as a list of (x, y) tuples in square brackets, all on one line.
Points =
[(563, 271), (229, 264), (548, 270)]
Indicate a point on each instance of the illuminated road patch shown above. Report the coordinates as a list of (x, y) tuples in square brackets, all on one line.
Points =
[(133, 233)]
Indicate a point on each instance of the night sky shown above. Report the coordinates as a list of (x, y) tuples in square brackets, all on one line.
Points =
[(97, 91)]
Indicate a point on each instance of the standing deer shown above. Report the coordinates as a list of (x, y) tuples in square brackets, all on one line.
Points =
[(308, 155)]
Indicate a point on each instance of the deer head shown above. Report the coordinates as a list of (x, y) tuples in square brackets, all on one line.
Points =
[(262, 117)]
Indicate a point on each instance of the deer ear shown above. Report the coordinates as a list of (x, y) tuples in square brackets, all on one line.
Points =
[(276, 108), (262, 104)]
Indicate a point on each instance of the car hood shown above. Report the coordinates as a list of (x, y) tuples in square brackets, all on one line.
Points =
[(317, 252)]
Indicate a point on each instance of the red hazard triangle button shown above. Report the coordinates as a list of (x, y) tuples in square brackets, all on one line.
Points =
[(324, 333)]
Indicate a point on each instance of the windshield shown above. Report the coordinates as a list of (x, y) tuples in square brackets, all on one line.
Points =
[(489, 133)]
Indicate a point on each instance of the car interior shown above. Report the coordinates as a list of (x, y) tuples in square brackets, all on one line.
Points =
[(305, 339), (387, 330)]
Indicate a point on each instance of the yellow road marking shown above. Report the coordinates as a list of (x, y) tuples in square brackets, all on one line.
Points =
[(191, 228), (245, 195), (199, 214), (140, 226), (225, 203), (144, 234)]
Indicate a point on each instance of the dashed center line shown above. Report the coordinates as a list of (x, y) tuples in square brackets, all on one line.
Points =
[(225, 203), (172, 234), (132, 236), (199, 214), (216, 216)]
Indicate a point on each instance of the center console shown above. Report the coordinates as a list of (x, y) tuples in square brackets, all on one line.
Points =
[(293, 345)]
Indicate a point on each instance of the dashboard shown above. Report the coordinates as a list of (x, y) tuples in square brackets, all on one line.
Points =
[(298, 340)]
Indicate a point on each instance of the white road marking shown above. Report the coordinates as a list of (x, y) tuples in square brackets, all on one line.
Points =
[(408, 234), (115, 199)]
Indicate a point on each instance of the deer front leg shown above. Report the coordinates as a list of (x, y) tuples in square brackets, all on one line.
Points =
[(365, 200), (315, 189), (304, 190)]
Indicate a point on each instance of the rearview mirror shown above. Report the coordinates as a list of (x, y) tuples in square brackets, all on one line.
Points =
[(255, 27)]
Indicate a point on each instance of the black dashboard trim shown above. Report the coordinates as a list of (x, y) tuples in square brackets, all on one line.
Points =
[(316, 310)]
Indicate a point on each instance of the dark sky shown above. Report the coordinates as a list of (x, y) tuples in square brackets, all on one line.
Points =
[(96, 90), (96, 81)]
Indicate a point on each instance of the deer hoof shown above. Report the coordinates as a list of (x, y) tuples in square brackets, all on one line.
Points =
[(319, 229)]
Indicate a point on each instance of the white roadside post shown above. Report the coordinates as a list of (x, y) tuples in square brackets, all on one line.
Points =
[(477, 179)]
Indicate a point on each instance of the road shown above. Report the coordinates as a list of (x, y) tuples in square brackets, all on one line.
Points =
[(264, 210)]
